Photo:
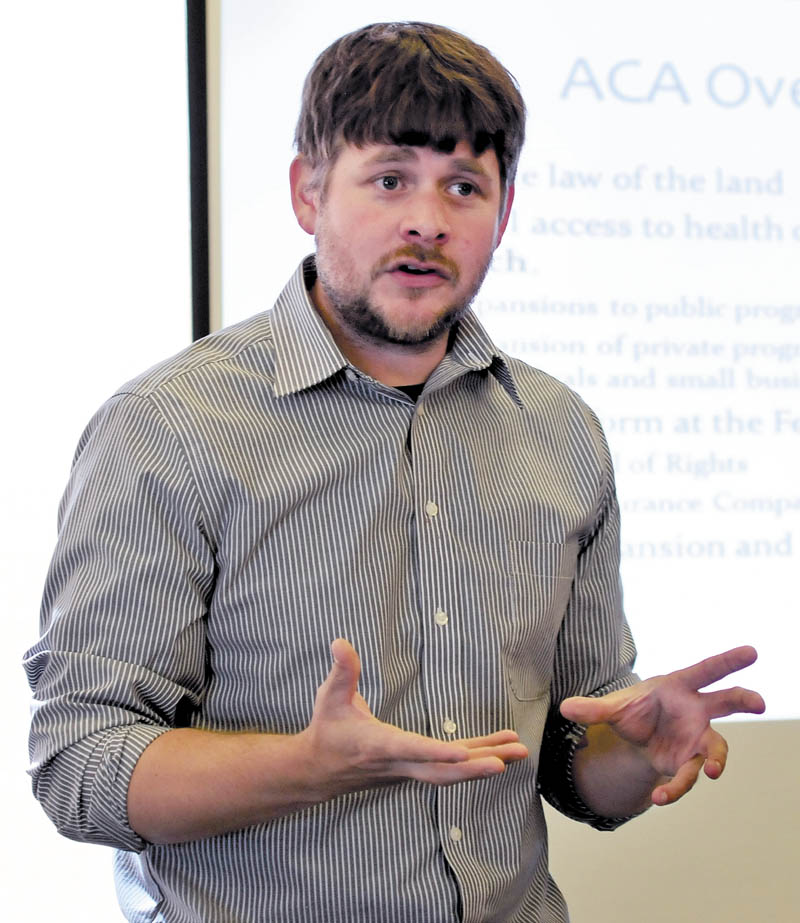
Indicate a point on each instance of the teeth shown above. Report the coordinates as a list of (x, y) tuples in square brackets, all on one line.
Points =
[(415, 271)]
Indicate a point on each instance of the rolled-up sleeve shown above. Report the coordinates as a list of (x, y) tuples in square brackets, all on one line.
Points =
[(595, 651), (122, 653)]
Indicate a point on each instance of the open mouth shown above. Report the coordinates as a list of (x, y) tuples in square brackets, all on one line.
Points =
[(414, 267), (418, 270)]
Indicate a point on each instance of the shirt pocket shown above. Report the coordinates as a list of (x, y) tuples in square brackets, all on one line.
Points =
[(540, 578)]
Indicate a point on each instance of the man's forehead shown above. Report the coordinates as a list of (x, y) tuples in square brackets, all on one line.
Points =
[(462, 155)]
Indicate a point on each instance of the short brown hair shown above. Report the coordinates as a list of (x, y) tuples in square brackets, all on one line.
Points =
[(410, 83)]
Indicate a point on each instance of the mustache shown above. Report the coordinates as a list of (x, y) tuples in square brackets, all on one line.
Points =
[(433, 256)]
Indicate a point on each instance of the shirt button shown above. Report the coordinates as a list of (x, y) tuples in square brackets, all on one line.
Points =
[(456, 834), (431, 508), (440, 617), (449, 726)]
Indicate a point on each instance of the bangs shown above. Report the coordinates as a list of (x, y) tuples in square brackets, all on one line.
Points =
[(419, 119), (411, 84)]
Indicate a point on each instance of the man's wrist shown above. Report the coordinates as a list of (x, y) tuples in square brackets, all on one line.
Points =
[(614, 777)]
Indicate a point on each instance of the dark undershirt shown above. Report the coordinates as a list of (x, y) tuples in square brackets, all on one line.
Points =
[(413, 391)]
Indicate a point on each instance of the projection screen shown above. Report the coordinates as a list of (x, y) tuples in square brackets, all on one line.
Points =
[(651, 263)]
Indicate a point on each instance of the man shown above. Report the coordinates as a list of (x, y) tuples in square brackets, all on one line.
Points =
[(357, 472)]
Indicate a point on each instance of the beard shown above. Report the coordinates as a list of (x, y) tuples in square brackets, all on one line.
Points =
[(359, 314)]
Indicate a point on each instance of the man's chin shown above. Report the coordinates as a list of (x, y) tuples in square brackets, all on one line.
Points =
[(415, 336), (368, 322)]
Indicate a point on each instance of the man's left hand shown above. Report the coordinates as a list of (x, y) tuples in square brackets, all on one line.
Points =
[(666, 720)]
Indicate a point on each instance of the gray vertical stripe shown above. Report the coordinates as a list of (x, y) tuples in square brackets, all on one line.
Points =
[(234, 510)]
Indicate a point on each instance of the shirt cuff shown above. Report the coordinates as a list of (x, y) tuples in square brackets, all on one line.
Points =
[(561, 792), (114, 760), (556, 781)]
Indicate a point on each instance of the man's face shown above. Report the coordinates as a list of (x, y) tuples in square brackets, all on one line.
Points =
[(404, 238)]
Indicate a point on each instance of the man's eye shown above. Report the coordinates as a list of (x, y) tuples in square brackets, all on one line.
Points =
[(389, 183), (464, 189)]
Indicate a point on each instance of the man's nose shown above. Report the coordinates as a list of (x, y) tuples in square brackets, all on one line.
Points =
[(425, 222)]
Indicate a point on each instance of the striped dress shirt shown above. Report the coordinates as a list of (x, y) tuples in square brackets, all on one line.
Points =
[(236, 508)]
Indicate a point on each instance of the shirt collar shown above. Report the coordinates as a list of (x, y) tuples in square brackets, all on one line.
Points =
[(306, 353)]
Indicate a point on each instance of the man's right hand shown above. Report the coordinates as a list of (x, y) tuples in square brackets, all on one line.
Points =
[(191, 783), (350, 749)]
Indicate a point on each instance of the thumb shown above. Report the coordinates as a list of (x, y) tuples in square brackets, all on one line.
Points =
[(585, 710), (342, 682)]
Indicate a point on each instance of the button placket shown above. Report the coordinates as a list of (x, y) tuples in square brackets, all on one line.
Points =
[(433, 538)]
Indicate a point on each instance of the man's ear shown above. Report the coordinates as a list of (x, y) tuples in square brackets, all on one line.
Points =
[(305, 196), (506, 214)]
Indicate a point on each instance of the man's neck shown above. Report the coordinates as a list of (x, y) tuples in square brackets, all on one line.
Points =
[(391, 364)]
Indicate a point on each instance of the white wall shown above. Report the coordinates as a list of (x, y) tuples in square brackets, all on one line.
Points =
[(651, 262), (95, 287)]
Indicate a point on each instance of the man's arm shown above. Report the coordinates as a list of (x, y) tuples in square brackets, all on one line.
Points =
[(122, 656), (190, 783), (122, 662), (647, 744)]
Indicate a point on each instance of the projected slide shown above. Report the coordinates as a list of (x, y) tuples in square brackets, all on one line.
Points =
[(651, 263)]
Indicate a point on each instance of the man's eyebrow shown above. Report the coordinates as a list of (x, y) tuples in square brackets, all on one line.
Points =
[(393, 155), (469, 165)]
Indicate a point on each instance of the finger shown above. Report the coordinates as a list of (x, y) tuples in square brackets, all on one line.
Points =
[(508, 753), (394, 745), (341, 683), (452, 773), (490, 740), (717, 667), (716, 754), (585, 710), (682, 782), (409, 747), (732, 701)]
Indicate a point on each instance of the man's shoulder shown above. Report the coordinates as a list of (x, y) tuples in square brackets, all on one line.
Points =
[(246, 346), (536, 386)]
